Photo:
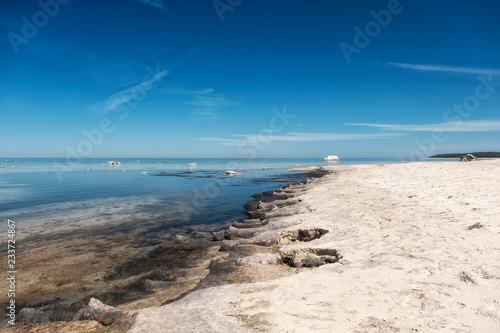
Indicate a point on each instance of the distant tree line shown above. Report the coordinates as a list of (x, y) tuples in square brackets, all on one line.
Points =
[(488, 154)]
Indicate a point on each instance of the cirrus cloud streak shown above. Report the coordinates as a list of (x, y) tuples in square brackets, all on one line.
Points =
[(450, 69), (237, 139), (452, 126)]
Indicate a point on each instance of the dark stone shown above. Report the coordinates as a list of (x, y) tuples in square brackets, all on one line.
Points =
[(220, 235), (248, 224), (104, 314)]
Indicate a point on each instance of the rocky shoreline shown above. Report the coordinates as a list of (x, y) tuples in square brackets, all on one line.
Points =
[(259, 239), (194, 262), (263, 229)]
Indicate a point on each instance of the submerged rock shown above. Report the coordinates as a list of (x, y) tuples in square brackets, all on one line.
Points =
[(105, 314)]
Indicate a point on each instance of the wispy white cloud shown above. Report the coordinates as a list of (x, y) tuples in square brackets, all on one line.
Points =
[(453, 126), (308, 137), (159, 4), (129, 94), (225, 141), (205, 102), (183, 91), (297, 137), (449, 69), (203, 91)]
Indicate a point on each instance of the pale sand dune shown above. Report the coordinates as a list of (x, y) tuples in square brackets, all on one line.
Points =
[(410, 262)]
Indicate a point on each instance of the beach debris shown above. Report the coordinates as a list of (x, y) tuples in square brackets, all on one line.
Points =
[(102, 164), (144, 172), (298, 165), (159, 162), (13, 167), (468, 158), (232, 173), (124, 170), (309, 257), (476, 225), (177, 166), (192, 164), (331, 158), (464, 277), (1, 167), (88, 169), (115, 164)]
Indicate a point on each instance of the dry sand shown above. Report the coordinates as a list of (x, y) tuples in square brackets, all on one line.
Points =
[(421, 253)]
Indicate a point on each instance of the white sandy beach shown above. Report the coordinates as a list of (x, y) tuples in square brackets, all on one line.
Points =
[(411, 262)]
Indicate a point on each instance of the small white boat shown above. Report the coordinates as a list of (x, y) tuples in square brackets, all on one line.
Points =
[(192, 164), (114, 164), (331, 158)]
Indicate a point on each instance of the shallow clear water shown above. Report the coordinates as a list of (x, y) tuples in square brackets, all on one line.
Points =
[(57, 194)]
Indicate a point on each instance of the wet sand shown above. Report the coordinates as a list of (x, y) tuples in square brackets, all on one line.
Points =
[(59, 274)]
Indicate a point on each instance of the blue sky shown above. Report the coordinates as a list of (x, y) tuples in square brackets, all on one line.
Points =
[(243, 78)]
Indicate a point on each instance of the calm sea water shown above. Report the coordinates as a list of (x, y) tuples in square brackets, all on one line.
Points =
[(46, 195)]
